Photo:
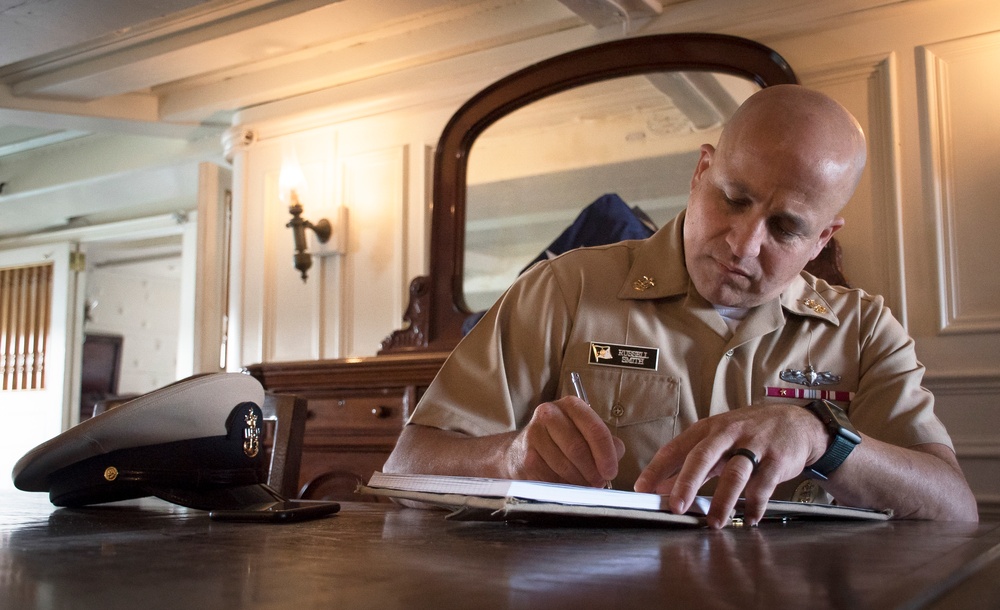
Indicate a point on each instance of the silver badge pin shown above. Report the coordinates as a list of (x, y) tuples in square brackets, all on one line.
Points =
[(809, 377)]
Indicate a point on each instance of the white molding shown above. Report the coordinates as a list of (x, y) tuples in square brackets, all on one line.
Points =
[(989, 506), (959, 383), (978, 449), (940, 176), (969, 384), (150, 226)]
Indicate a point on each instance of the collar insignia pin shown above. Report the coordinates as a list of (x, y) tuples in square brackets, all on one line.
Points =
[(643, 283), (809, 377), (815, 305)]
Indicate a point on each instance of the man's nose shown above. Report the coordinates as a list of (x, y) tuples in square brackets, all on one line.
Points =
[(745, 238)]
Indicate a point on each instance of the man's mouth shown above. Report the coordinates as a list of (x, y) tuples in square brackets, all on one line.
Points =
[(731, 270)]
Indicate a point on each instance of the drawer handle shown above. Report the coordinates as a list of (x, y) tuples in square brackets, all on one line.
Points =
[(381, 412)]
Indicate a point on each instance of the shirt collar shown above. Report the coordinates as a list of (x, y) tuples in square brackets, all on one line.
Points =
[(802, 299), (658, 269)]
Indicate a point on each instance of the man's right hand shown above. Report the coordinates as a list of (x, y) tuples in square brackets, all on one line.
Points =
[(565, 442)]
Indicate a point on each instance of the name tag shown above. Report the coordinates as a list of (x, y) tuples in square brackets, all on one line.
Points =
[(628, 356)]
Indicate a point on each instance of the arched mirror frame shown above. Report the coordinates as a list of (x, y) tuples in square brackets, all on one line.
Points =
[(437, 305)]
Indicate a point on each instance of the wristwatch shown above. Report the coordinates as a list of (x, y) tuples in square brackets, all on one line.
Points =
[(844, 437)]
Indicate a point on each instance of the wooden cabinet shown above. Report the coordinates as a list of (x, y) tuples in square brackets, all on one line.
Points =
[(357, 407)]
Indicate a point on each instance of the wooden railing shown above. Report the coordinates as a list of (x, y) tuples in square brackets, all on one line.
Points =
[(25, 316)]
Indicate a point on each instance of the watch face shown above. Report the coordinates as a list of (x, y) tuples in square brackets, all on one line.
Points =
[(847, 429), (839, 417)]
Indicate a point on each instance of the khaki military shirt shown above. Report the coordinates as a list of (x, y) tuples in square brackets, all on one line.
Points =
[(563, 314)]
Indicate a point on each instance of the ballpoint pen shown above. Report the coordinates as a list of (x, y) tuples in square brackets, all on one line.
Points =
[(574, 377), (578, 387)]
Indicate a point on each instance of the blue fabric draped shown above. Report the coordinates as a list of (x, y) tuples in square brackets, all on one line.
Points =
[(605, 221)]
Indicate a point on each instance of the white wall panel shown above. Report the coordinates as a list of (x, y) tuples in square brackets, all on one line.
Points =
[(282, 316), (961, 91), (375, 189), (967, 404)]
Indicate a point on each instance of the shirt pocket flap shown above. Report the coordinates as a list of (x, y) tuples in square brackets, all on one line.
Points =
[(623, 397)]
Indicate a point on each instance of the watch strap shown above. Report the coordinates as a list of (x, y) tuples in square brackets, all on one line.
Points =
[(843, 439), (835, 455)]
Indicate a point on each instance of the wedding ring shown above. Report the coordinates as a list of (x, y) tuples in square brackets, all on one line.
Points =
[(750, 455)]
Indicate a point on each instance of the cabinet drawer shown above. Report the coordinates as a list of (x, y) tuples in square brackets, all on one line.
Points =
[(368, 415)]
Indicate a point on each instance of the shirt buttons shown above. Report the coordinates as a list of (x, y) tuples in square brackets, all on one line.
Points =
[(618, 410), (729, 354)]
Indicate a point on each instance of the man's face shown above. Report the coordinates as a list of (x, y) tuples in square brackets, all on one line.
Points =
[(755, 217)]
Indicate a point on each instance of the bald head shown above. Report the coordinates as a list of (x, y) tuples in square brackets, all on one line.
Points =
[(766, 200), (804, 129)]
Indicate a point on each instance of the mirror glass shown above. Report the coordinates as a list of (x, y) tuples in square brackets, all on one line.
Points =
[(533, 171)]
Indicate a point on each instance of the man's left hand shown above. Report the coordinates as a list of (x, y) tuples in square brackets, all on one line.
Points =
[(784, 437)]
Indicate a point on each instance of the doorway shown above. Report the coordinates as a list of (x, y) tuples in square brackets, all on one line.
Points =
[(133, 304)]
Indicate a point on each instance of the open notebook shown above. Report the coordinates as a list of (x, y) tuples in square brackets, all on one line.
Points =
[(498, 499)]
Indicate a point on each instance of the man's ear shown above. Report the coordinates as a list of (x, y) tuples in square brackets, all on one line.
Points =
[(704, 161), (825, 236)]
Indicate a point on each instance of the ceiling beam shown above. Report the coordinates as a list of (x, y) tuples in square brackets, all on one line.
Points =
[(335, 64), (105, 66)]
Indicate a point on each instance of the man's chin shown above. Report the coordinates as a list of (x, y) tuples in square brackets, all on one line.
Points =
[(726, 290), (729, 297)]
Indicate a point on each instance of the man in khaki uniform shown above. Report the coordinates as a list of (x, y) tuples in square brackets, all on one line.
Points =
[(700, 346)]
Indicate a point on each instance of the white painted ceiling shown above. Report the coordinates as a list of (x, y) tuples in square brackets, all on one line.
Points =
[(178, 70), (168, 67)]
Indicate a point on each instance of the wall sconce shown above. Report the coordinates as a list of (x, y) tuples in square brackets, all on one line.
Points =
[(303, 259), (290, 181)]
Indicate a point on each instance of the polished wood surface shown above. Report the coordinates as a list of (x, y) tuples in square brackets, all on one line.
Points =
[(150, 554)]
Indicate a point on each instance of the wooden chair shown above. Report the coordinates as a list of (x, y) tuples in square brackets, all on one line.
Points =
[(288, 412)]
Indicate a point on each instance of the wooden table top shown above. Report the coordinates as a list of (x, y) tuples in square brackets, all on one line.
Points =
[(150, 554)]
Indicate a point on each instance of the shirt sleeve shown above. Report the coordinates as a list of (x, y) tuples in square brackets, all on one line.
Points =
[(506, 366), (891, 404)]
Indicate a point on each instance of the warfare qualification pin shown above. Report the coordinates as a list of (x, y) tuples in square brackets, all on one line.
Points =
[(809, 377)]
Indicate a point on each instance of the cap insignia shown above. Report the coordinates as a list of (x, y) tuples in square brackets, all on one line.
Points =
[(251, 435)]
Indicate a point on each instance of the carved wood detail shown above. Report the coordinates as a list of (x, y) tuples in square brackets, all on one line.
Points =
[(413, 336)]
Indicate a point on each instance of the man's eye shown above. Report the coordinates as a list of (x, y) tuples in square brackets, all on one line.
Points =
[(783, 231)]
